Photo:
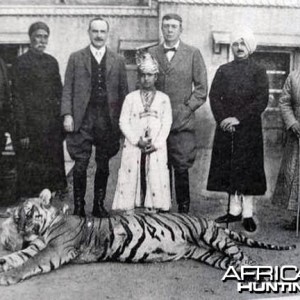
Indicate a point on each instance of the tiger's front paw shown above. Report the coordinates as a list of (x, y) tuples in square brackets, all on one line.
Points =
[(4, 265), (9, 278)]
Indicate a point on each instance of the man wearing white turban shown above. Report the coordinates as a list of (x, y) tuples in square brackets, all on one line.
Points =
[(145, 121), (247, 36), (238, 96)]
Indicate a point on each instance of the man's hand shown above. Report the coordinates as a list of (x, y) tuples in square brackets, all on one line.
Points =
[(229, 123), (25, 142), (296, 129), (149, 149), (143, 143), (68, 123)]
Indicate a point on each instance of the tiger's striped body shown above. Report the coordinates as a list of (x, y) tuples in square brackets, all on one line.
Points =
[(59, 239)]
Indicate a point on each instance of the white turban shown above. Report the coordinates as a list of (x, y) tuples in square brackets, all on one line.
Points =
[(147, 64), (247, 36)]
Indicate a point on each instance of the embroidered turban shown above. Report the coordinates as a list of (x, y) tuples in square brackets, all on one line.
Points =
[(146, 63), (247, 36)]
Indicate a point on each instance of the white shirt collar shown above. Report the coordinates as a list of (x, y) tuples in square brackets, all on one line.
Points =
[(98, 53)]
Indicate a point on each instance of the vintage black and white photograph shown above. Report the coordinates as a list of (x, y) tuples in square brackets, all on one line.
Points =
[(149, 149)]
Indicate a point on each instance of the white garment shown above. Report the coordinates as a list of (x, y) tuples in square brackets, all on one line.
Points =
[(235, 205), (241, 204), (133, 123), (98, 53), (247, 207)]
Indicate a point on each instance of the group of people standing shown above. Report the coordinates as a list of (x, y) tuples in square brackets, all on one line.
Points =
[(158, 138), (157, 120)]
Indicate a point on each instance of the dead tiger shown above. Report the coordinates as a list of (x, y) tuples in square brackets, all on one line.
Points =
[(54, 239)]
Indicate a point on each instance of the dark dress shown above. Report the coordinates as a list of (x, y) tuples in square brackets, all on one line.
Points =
[(239, 89), (37, 92)]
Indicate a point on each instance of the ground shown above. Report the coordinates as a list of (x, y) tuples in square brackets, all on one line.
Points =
[(174, 280)]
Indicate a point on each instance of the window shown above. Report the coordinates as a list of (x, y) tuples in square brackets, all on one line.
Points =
[(277, 64)]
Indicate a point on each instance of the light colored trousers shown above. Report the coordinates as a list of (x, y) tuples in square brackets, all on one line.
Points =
[(241, 204)]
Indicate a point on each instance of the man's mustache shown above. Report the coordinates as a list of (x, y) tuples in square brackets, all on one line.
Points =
[(99, 40)]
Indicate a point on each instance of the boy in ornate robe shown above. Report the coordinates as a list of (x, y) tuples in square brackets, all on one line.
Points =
[(145, 121)]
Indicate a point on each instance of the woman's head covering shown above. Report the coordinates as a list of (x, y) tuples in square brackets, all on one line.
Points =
[(36, 26), (146, 63), (247, 36)]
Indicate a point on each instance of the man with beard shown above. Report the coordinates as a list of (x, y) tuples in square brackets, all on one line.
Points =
[(36, 99), (238, 96), (94, 90)]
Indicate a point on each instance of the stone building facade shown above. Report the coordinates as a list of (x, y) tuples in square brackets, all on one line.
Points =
[(207, 24)]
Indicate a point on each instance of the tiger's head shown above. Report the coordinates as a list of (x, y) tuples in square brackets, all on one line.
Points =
[(28, 221)]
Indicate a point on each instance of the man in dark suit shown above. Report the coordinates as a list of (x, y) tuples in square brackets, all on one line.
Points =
[(182, 76), (95, 87)]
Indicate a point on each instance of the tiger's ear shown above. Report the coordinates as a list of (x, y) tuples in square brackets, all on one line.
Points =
[(45, 195), (9, 212)]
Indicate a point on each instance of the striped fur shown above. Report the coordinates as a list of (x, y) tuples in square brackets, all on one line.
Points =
[(56, 239)]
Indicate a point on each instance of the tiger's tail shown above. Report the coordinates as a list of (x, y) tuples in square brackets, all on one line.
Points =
[(240, 238)]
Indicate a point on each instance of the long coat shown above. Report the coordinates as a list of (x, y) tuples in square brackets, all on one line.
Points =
[(36, 98), (286, 190), (5, 109), (239, 89), (184, 80), (77, 88), (133, 123)]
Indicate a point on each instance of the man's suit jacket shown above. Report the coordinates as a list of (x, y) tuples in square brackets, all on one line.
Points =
[(184, 80), (77, 87)]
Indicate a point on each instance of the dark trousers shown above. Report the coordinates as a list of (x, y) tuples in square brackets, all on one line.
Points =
[(95, 130), (182, 188)]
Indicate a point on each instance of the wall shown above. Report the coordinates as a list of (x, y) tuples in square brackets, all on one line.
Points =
[(200, 20), (69, 23)]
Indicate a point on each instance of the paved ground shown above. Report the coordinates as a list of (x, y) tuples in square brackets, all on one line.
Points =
[(176, 280)]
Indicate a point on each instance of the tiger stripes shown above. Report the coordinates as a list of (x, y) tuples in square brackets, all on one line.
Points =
[(56, 239)]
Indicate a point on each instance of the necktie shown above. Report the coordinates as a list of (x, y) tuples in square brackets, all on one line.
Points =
[(147, 99), (98, 56), (166, 50)]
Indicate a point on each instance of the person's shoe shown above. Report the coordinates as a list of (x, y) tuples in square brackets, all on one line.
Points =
[(183, 208), (249, 224), (162, 211), (229, 218)]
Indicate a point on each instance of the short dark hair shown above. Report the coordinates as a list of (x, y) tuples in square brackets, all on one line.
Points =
[(172, 17), (98, 19)]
